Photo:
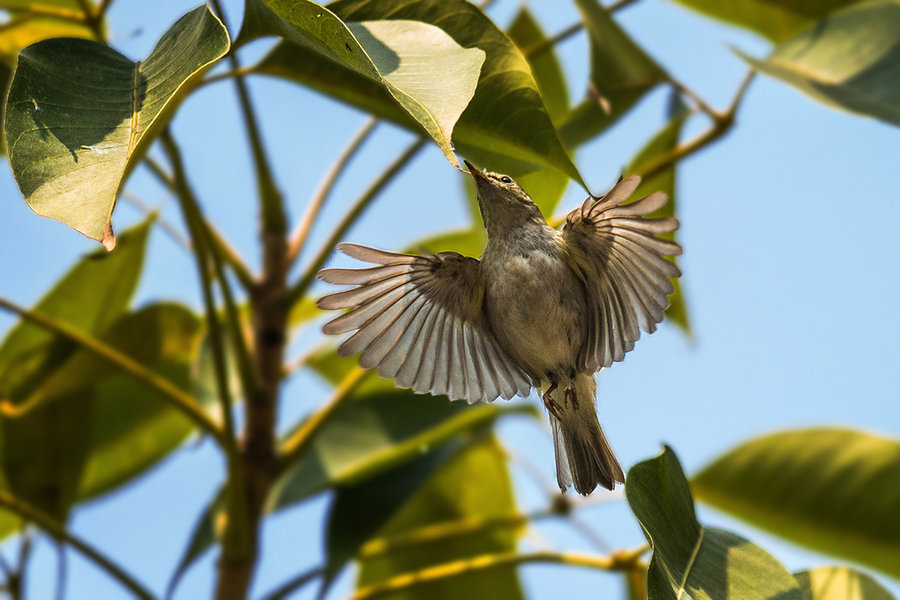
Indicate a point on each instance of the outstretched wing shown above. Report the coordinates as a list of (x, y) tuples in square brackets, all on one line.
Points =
[(624, 269), (419, 320)]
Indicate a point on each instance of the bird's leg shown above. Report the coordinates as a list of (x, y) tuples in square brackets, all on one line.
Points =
[(550, 402), (569, 394)]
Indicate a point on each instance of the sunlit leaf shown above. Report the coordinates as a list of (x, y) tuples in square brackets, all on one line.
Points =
[(505, 126), (418, 65), (834, 490), (621, 73), (474, 484), (848, 60), (692, 561), (774, 20), (663, 180), (840, 583), (80, 114)]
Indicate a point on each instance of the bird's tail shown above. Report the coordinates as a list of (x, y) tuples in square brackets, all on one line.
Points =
[(583, 455)]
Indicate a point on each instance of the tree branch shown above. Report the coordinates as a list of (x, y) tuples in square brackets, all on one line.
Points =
[(58, 531), (298, 238), (177, 398), (618, 561)]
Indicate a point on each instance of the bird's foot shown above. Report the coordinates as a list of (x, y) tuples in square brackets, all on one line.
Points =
[(550, 401)]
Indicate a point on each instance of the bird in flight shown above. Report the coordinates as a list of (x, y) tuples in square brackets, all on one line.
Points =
[(541, 308)]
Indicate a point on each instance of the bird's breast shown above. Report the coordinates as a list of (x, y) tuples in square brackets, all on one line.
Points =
[(536, 307)]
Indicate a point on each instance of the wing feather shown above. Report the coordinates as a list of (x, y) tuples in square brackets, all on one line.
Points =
[(418, 320), (624, 267)]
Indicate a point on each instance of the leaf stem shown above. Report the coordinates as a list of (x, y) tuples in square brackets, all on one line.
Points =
[(617, 561), (58, 531), (722, 123), (298, 442), (194, 220), (568, 32), (92, 20), (301, 233), (298, 289), (177, 398), (231, 256), (294, 584)]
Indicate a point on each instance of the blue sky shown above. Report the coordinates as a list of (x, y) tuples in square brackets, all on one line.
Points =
[(788, 226)]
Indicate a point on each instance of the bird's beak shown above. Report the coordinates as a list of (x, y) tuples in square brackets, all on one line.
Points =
[(474, 171)]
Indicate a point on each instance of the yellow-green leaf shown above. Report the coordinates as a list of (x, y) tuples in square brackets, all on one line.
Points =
[(80, 114), (833, 490), (840, 583)]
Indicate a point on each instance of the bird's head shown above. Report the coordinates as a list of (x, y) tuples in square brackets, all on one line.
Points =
[(504, 205)]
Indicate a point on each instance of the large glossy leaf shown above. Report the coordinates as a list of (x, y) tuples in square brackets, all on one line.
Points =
[(80, 114), (621, 73), (833, 490), (659, 145), (419, 66), (848, 60), (505, 126), (690, 560), (774, 20), (474, 484), (840, 583)]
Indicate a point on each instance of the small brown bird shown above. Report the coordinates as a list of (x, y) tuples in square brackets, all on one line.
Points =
[(541, 308)]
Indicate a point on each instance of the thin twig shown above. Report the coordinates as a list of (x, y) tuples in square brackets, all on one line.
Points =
[(618, 561), (58, 531), (301, 233), (195, 222), (296, 292), (90, 19), (449, 530), (102, 8), (722, 123), (231, 256), (177, 398), (173, 232), (569, 31), (299, 441)]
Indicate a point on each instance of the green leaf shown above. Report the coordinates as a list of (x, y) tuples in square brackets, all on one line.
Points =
[(660, 145), (774, 20), (358, 512), (474, 484), (621, 73), (840, 583), (80, 115), (505, 126), (832, 490), (847, 60), (422, 68), (102, 428), (694, 561), (89, 297)]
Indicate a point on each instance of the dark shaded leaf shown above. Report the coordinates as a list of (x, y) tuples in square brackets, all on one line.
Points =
[(80, 115), (472, 485), (834, 490), (621, 73), (849, 60), (694, 561)]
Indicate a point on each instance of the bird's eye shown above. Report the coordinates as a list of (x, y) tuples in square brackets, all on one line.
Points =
[(505, 179)]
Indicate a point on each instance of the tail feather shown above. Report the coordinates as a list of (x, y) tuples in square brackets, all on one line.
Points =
[(583, 455)]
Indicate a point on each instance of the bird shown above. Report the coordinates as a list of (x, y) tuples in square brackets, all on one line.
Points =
[(541, 308)]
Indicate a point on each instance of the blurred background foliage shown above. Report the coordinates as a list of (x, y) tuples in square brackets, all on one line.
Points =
[(419, 501)]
